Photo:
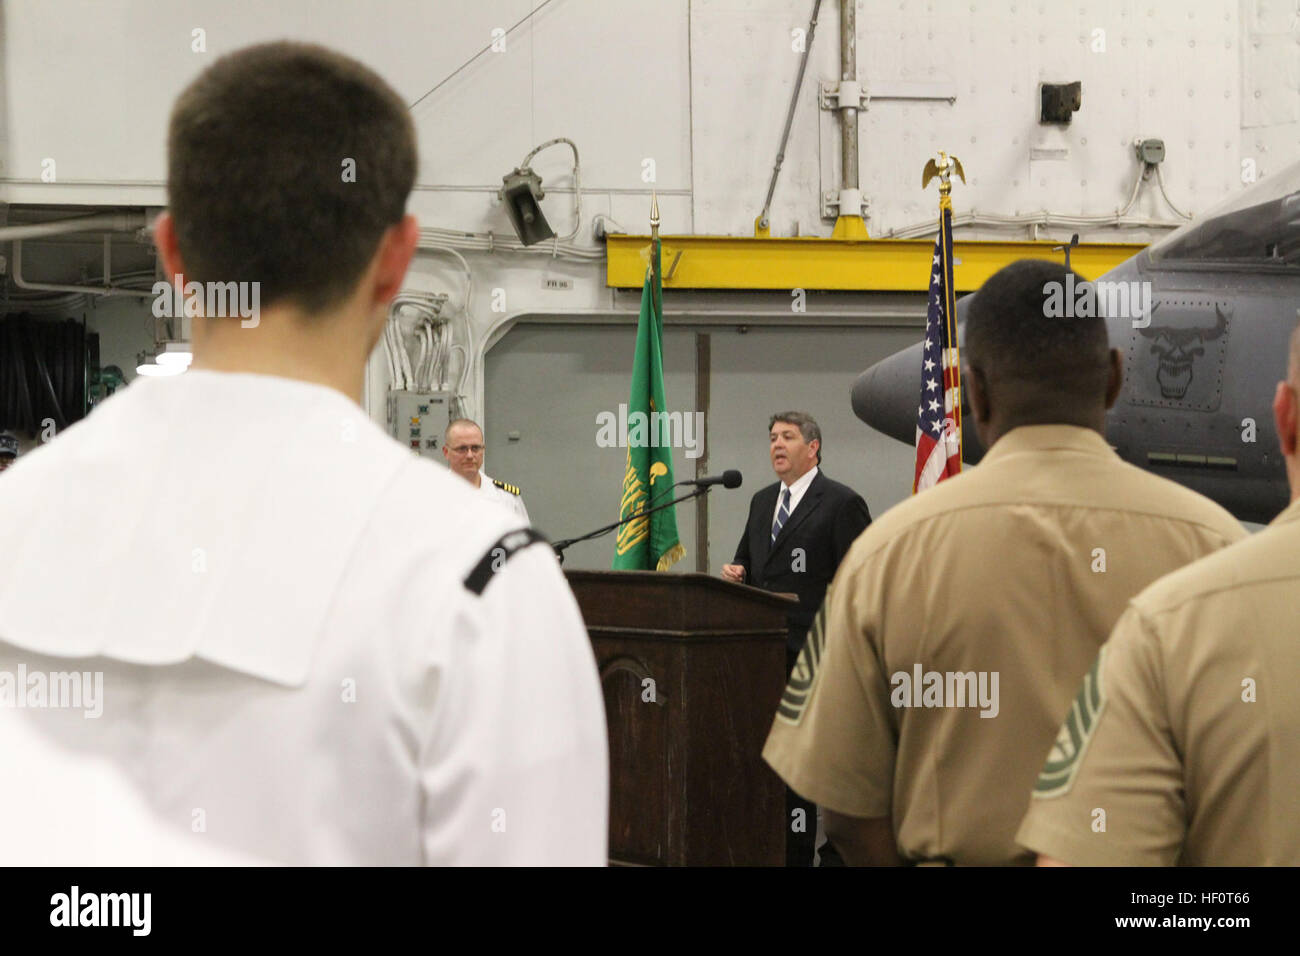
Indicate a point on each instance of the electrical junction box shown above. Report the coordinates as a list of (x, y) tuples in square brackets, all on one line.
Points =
[(418, 419), (1151, 151)]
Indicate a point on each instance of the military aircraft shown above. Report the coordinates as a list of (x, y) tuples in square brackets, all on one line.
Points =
[(1202, 318)]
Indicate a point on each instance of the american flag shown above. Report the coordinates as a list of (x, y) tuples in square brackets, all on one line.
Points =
[(938, 417)]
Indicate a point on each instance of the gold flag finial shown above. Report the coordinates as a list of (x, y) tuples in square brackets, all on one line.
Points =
[(649, 253), (944, 169)]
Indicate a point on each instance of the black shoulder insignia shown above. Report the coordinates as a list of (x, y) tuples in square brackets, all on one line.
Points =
[(513, 489), (497, 555)]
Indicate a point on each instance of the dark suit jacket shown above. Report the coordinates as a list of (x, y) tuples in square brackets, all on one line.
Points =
[(828, 519)]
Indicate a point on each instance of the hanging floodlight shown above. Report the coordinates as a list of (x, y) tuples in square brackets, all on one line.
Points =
[(520, 192)]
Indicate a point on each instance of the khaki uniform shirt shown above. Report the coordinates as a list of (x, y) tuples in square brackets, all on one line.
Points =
[(958, 627), (1188, 748)]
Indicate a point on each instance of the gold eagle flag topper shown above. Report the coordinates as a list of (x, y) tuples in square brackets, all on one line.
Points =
[(944, 169)]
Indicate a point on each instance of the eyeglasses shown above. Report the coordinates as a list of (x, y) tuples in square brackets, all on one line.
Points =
[(466, 449)]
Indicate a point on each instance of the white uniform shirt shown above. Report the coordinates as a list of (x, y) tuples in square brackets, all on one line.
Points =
[(490, 491), (294, 669)]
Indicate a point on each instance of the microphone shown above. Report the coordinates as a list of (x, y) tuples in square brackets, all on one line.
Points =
[(728, 479)]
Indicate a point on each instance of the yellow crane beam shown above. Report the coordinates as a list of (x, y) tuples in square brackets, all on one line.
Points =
[(864, 265)]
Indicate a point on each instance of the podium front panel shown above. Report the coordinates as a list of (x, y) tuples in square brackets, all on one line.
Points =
[(688, 708)]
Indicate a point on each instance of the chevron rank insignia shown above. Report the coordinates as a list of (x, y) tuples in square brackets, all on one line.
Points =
[(795, 699), (1063, 760), (504, 486)]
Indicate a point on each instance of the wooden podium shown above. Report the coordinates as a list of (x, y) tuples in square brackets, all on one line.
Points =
[(692, 669)]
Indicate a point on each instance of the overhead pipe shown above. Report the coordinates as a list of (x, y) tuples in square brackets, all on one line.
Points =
[(849, 225), (106, 289), (109, 221)]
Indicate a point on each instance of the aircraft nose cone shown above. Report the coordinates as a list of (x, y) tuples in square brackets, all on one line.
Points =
[(885, 395)]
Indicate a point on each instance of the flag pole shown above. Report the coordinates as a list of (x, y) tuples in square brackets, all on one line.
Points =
[(944, 169), (950, 305), (948, 360), (656, 266), (654, 228)]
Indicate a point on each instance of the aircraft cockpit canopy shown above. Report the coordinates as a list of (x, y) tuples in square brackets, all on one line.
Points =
[(1258, 228)]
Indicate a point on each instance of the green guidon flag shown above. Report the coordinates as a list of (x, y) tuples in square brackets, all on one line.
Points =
[(648, 543)]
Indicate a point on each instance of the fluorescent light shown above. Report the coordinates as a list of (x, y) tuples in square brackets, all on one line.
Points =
[(149, 368), (172, 359), (175, 353)]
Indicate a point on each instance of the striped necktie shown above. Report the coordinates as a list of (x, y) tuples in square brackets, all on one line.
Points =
[(781, 515)]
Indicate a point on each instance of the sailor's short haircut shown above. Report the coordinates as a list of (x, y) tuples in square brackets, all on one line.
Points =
[(286, 164)]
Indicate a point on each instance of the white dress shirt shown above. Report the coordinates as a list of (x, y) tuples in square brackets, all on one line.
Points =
[(293, 667), (796, 495)]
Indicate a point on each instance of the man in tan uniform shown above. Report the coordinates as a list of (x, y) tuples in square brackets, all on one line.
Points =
[(1187, 750), (959, 625)]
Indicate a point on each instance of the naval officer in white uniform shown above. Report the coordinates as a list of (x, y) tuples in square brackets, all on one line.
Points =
[(462, 446), (238, 622)]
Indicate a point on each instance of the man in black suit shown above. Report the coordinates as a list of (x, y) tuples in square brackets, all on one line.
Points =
[(798, 531)]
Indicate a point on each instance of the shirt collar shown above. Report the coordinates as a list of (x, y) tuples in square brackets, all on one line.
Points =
[(800, 486), (1290, 513), (1037, 438), (204, 437)]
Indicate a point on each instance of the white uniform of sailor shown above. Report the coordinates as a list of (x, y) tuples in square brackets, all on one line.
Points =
[(305, 658), (494, 491)]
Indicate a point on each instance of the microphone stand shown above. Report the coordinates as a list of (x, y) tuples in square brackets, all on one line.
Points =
[(559, 546)]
